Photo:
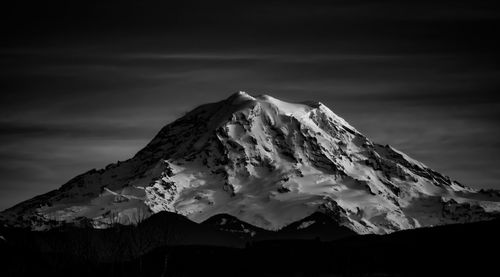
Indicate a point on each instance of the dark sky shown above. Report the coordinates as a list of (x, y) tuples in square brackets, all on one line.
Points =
[(87, 83)]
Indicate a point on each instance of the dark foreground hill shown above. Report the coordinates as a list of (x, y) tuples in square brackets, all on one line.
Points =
[(168, 245), (315, 226)]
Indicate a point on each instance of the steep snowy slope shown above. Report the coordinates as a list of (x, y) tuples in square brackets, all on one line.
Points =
[(268, 163)]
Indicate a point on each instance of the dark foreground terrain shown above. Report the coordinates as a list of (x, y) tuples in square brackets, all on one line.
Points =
[(167, 245)]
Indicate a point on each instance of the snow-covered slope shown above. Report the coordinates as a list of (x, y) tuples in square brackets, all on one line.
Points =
[(266, 162)]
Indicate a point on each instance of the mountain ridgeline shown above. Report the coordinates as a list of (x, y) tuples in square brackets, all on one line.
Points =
[(269, 164)]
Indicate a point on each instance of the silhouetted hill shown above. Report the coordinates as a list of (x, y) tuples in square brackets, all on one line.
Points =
[(153, 249), (119, 242), (231, 224), (316, 226)]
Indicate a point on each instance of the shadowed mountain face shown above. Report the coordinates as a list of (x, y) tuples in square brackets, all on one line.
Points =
[(317, 226), (229, 223), (268, 163)]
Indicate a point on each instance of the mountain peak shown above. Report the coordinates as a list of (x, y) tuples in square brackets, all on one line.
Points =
[(239, 97)]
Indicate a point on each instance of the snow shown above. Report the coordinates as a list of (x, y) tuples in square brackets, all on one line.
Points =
[(241, 97), (269, 163), (306, 224)]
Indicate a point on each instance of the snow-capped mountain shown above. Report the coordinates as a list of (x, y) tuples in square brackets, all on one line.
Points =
[(268, 163)]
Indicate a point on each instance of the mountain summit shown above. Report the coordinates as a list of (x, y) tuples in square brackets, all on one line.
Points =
[(266, 162)]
